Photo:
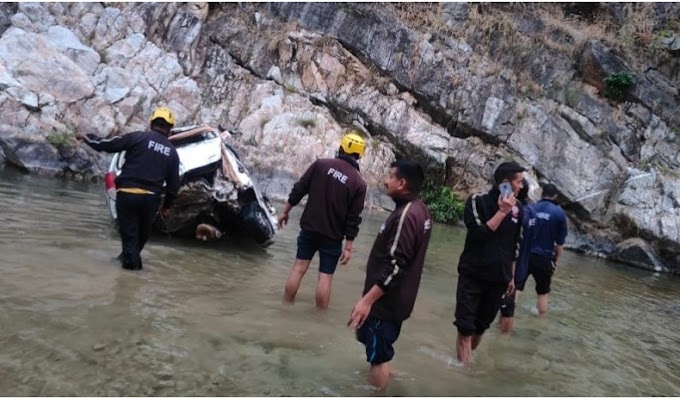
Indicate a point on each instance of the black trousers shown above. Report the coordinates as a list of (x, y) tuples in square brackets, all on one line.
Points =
[(136, 213)]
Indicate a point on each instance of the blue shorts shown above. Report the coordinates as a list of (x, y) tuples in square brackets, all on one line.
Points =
[(378, 337), (329, 251)]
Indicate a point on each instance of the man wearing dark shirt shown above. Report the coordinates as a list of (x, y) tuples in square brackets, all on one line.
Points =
[(486, 265), (393, 270), (550, 232), (333, 212), (150, 161)]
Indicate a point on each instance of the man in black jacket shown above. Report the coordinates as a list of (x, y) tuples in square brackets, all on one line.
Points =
[(393, 270), (486, 265), (150, 161), (333, 212)]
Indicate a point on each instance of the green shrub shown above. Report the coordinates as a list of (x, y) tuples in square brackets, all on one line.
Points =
[(618, 84), (306, 122), (444, 205), (59, 139)]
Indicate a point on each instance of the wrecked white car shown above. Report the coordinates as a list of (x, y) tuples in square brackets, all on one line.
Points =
[(217, 196)]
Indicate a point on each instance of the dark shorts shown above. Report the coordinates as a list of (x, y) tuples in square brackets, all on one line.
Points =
[(542, 270), (329, 251), (378, 337), (477, 303)]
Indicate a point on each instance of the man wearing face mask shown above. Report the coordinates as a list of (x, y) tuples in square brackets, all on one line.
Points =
[(486, 265)]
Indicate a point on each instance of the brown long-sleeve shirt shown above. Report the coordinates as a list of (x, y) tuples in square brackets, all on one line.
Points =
[(336, 198), (397, 258)]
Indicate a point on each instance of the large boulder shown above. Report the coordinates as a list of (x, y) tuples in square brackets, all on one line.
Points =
[(636, 251)]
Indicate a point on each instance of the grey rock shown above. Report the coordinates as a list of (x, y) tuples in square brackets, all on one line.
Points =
[(111, 26), (115, 83), (6, 12), (165, 374), (31, 154), (671, 43), (67, 43), (636, 251), (48, 72), (98, 347), (455, 14), (183, 34), (37, 15), (597, 61), (165, 384)]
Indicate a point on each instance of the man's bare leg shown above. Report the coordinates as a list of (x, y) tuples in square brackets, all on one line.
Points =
[(542, 304), (476, 339), (294, 279), (507, 324), (323, 290), (464, 349), (379, 375)]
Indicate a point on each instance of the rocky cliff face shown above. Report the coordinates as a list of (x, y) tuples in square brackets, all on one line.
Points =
[(457, 87)]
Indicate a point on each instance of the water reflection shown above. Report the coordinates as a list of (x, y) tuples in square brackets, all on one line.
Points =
[(206, 319)]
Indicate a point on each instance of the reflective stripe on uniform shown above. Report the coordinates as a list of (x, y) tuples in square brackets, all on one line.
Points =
[(474, 209), (394, 245), (137, 191)]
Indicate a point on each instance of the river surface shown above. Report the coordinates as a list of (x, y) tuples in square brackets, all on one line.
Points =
[(207, 319)]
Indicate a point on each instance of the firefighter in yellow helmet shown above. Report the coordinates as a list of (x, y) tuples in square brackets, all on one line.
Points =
[(333, 213), (150, 161)]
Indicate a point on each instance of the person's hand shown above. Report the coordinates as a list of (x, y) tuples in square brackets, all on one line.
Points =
[(346, 256), (283, 220), (346, 253), (165, 211), (511, 288), (554, 265), (359, 314), (505, 204)]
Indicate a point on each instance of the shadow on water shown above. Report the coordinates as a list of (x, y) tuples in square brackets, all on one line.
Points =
[(207, 319)]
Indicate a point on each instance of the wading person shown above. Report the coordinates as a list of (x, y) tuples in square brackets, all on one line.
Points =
[(507, 321), (486, 265), (333, 212), (150, 161), (550, 231), (393, 270)]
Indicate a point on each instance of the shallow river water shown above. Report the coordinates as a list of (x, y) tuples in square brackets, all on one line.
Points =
[(207, 319)]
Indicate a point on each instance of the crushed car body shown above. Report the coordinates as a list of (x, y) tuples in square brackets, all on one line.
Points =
[(217, 196)]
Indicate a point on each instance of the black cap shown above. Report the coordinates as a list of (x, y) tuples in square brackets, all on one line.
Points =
[(506, 170), (549, 190)]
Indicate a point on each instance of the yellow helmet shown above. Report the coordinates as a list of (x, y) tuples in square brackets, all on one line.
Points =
[(353, 143), (163, 113)]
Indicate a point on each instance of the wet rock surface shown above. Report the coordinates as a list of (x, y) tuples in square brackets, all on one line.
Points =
[(457, 87)]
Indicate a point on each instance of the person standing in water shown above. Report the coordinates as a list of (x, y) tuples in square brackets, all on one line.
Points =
[(150, 161), (507, 321), (550, 232), (336, 199), (393, 271), (486, 266)]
